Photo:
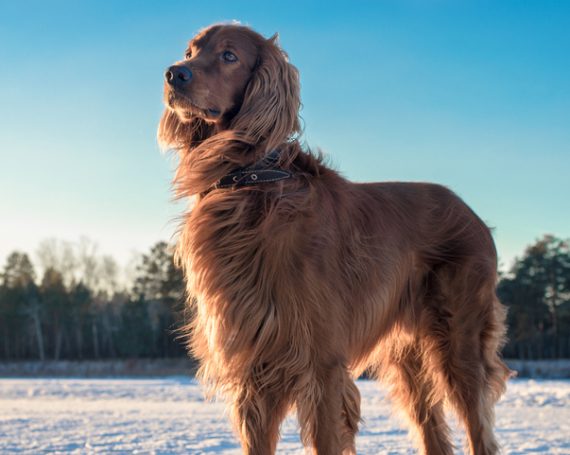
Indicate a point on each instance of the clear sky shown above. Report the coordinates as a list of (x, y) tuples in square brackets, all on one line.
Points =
[(471, 94)]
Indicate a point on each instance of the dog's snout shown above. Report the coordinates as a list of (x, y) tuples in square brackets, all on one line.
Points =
[(178, 75)]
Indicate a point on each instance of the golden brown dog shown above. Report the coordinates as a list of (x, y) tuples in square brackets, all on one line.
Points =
[(300, 280)]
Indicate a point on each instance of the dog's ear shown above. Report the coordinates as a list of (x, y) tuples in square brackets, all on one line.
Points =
[(270, 108), (175, 134)]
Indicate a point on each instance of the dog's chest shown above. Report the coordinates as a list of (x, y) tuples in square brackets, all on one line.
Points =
[(223, 248)]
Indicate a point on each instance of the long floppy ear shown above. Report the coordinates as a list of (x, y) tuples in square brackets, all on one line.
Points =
[(174, 134), (270, 108)]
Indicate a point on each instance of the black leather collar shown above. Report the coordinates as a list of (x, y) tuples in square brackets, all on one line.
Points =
[(263, 171)]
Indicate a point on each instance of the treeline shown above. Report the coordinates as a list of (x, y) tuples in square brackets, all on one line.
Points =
[(81, 308), (537, 293)]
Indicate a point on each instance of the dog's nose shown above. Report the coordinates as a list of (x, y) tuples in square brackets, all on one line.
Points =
[(178, 75)]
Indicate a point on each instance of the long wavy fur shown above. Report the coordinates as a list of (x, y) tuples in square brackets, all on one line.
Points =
[(300, 285)]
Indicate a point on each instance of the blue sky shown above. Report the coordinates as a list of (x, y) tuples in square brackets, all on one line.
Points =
[(471, 94)]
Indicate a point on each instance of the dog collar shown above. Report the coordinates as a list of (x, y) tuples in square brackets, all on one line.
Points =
[(263, 171)]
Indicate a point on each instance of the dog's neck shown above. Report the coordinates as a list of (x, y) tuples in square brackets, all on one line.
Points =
[(265, 170), (205, 164)]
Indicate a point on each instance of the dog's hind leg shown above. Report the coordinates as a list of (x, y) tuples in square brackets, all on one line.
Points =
[(329, 412), (466, 333), (413, 391)]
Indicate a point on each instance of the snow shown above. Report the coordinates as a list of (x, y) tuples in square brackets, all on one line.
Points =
[(169, 416)]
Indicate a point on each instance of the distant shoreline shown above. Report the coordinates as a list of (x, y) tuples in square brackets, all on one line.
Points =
[(538, 369), (98, 368)]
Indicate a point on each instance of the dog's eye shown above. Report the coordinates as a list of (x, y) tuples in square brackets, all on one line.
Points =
[(229, 57), (188, 55)]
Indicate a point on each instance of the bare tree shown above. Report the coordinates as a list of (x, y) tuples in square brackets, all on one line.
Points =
[(58, 255), (109, 276), (88, 262)]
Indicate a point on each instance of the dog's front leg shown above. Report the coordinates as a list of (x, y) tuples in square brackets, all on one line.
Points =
[(256, 415), (329, 419)]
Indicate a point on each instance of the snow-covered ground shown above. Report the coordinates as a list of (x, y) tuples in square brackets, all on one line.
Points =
[(170, 416)]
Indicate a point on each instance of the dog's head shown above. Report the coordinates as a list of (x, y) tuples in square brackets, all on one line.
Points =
[(231, 78)]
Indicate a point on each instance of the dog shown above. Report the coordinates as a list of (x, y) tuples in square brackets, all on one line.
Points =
[(300, 280)]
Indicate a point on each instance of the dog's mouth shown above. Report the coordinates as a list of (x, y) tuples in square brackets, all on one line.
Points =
[(187, 109)]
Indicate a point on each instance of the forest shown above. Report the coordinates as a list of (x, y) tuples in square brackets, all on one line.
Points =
[(80, 307)]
